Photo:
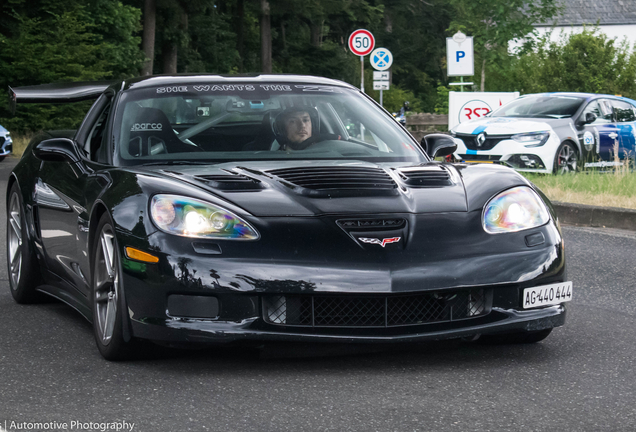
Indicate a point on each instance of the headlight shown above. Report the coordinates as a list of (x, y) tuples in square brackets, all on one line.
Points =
[(190, 217), (513, 210), (533, 139)]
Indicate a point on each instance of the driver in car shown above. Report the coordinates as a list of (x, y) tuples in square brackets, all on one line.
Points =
[(297, 126)]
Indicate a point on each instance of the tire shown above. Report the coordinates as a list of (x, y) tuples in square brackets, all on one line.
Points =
[(566, 159), (2, 158), (528, 337), (105, 295), (22, 266)]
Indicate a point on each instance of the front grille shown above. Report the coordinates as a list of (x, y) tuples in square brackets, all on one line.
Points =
[(338, 180), (372, 223), (470, 157), (373, 311), (2, 140), (231, 182), (470, 141), (425, 176)]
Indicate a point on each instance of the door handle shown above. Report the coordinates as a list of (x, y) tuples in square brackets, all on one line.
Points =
[(613, 135)]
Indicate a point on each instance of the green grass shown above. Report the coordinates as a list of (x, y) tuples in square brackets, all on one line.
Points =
[(612, 189), (20, 143)]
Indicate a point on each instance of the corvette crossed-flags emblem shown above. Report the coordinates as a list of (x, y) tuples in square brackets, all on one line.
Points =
[(382, 242)]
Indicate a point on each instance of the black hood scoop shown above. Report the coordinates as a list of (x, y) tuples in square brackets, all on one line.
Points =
[(425, 176), (337, 181), (231, 182)]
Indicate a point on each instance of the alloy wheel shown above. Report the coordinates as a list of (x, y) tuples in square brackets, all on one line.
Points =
[(15, 241), (106, 285), (566, 159)]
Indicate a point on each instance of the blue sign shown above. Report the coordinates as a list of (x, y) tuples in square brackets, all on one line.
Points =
[(381, 59)]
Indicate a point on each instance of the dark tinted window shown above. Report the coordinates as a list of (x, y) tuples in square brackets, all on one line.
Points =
[(553, 106), (623, 111)]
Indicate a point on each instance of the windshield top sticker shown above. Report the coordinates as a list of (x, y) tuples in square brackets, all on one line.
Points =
[(314, 88), (247, 87)]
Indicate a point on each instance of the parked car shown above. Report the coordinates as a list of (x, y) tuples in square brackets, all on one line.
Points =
[(551, 132), (6, 143), (207, 209)]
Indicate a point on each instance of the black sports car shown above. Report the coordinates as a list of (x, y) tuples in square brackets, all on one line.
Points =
[(210, 209)]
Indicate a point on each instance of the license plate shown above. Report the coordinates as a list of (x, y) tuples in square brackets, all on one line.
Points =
[(547, 295)]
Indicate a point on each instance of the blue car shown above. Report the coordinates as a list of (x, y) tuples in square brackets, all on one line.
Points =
[(6, 143)]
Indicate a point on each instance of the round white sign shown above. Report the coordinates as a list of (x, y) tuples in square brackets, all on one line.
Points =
[(381, 59), (361, 42), (459, 37), (473, 109)]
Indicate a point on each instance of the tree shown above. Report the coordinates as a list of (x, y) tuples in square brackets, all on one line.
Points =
[(585, 62), (64, 41), (493, 23), (148, 39)]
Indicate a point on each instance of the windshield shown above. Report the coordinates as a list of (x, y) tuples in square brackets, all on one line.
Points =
[(540, 106), (239, 122)]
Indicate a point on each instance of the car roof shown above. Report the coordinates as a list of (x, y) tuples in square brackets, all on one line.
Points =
[(586, 96), (179, 79)]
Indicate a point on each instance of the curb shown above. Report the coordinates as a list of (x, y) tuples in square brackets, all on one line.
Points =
[(593, 216)]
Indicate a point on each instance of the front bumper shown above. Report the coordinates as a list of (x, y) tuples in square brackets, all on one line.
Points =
[(221, 298), (207, 332), (513, 154)]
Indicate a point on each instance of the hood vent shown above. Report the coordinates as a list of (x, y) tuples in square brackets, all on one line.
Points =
[(338, 181), (231, 182), (425, 176), (365, 224)]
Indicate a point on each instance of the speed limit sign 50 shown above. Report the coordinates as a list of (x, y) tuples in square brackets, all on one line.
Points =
[(361, 42)]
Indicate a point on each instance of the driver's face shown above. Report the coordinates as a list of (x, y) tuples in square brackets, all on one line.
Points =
[(298, 126)]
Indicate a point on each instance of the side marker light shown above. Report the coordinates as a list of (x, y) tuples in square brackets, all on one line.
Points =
[(142, 256)]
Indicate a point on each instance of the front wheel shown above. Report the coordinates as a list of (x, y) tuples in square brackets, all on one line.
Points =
[(21, 261), (106, 296), (566, 159)]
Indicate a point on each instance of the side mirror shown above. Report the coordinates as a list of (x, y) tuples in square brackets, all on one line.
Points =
[(57, 150), (590, 118), (438, 145)]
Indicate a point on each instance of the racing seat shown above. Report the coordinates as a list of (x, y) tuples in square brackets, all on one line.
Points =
[(265, 135), (152, 133)]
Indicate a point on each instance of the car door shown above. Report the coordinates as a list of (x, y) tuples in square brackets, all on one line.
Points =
[(626, 126), (599, 136), (62, 204)]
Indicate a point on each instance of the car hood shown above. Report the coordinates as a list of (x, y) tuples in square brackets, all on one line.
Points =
[(310, 188), (506, 125)]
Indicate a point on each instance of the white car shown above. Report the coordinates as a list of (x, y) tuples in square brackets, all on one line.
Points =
[(551, 132)]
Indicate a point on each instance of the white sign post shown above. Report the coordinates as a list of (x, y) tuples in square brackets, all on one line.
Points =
[(460, 58), (381, 60), (361, 43)]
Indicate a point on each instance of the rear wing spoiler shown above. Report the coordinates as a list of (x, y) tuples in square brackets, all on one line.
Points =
[(57, 93)]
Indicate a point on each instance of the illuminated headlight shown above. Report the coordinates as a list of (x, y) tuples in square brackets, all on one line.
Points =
[(513, 210), (190, 217), (533, 139)]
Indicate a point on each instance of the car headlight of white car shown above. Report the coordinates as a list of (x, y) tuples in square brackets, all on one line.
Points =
[(532, 139), (515, 209)]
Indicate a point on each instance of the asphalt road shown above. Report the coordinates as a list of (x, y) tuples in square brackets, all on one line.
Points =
[(582, 378)]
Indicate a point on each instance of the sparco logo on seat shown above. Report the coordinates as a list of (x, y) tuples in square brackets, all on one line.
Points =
[(146, 127)]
